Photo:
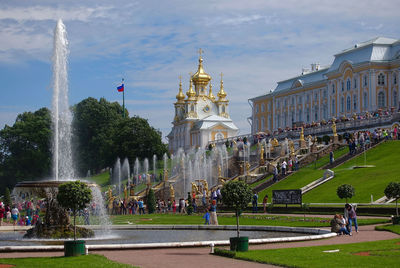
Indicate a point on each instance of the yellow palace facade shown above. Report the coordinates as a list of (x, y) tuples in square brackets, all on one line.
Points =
[(360, 79)]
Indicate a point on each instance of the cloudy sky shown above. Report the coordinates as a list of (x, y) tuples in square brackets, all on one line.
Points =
[(150, 43)]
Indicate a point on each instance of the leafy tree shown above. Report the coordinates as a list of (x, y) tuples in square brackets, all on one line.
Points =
[(25, 148), (237, 195), (7, 197), (94, 125), (190, 205), (345, 191), (74, 195), (393, 191), (151, 201)]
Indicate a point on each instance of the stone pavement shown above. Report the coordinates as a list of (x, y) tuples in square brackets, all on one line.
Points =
[(200, 257)]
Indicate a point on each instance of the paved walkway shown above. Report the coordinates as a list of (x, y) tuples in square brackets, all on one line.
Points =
[(200, 257)]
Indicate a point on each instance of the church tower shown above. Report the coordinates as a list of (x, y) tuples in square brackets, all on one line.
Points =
[(200, 117)]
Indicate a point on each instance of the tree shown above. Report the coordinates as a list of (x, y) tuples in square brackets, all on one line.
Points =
[(151, 201), (25, 148), (74, 195), (393, 191), (345, 191), (237, 195), (190, 205), (7, 197)]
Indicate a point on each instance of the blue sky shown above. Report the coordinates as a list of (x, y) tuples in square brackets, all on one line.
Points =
[(150, 43)]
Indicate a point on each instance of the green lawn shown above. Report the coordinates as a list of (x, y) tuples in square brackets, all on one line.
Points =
[(302, 177), (65, 262), (102, 179), (390, 227), (272, 220), (384, 253), (366, 181)]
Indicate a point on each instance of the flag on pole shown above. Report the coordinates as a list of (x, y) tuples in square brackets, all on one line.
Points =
[(121, 88)]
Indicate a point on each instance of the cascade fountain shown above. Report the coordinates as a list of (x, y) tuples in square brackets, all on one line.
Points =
[(155, 165), (117, 175), (125, 171), (136, 170), (146, 170)]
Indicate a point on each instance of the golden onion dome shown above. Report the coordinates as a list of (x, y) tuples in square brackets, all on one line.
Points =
[(191, 93), (210, 94), (201, 75), (180, 97), (222, 94)]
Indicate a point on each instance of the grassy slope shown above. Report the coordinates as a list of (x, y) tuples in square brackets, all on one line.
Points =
[(302, 177), (67, 262), (366, 181), (390, 227), (384, 253)]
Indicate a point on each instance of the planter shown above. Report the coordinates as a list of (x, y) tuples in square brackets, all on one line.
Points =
[(239, 243), (396, 219), (74, 248)]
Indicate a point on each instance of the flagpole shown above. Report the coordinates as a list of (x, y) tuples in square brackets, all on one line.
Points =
[(123, 99)]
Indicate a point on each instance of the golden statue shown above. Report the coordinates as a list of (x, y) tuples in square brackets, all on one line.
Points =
[(334, 129), (302, 134), (110, 198), (205, 185), (171, 191), (274, 142), (165, 174), (219, 171), (125, 193), (262, 153), (291, 146), (247, 166), (195, 189), (109, 193)]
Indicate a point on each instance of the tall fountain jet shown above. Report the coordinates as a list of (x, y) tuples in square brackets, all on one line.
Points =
[(61, 114)]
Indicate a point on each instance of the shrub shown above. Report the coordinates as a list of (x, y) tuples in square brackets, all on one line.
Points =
[(393, 191), (236, 194), (151, 201), (189, 209), (345, 191)]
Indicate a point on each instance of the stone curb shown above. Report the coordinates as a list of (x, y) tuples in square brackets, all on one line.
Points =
[(314, 233)]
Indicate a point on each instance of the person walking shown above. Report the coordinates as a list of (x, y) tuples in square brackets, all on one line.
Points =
[(2, 213), (255, 202), (14, 215), (141, 207), (284, 164), (265, 201)]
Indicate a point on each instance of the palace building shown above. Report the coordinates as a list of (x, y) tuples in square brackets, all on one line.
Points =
[(361, 79), (200, 117)]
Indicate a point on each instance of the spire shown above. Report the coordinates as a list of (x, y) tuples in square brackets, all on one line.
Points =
[(221, 93), (180, 97), (191, 93), (210, 94)]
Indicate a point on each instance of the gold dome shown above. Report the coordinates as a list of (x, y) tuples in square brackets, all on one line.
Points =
[(222, 94), (191, 93), (201, 75), (210, 94), (180, 97)]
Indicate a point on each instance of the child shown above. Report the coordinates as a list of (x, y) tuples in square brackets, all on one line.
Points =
[(207, 218)]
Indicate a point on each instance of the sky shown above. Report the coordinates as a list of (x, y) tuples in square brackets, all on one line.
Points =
[(150, 44)]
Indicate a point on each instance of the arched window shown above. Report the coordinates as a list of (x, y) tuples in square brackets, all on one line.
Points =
[(348, 84), (381, 79), (292, 100), (300, 115), (285, 119), (348, 102), (325, 111), (223, 108), (395, 78), (256, 126), (394, 98), (342, 104), (285, 102), (354, 102), (192, 108), (381, 100), (355, 82), (365, 81), (257, 108), (365, 100), (342, 86), (262, 107), (293, 117), (333, 108), (308, 114), (300, 100), (333, 88), (219, 136)]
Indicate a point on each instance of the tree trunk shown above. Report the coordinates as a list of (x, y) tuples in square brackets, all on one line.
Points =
[(74, 225), (237, 224), (397, 209)]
